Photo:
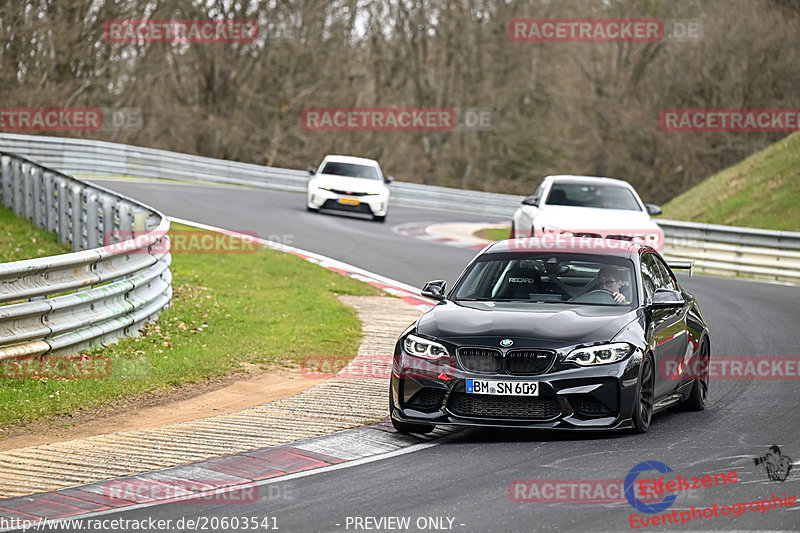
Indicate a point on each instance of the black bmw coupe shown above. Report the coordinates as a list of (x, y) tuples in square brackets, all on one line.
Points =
[(574, 334)]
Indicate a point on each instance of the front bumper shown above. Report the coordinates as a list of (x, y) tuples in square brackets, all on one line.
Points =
[(375, 204), (589, 398)]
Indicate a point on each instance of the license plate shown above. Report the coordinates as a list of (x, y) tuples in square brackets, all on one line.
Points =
[(348, 201), (502, 388)]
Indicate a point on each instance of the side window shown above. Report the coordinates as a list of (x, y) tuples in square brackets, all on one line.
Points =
[(667, 281), (537, 194), (650, 277)]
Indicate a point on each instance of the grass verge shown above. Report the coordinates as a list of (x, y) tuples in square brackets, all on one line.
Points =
[(494, 234), (763, 191), (20, 239), (228, 311)]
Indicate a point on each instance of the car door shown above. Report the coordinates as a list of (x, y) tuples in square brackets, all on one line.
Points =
[(670, 333)]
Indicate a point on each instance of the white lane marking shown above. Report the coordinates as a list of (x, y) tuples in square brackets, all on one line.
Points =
[(297, 475)]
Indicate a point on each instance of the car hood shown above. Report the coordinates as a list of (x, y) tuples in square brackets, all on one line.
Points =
[(348, 184), (591, 218), (527, 324)]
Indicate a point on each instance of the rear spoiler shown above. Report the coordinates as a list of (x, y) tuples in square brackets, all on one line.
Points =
[(682, 265)]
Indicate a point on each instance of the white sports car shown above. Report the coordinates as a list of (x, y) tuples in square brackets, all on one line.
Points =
[(588, 206), (351, 184)]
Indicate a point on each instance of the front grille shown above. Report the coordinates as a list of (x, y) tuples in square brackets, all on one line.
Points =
[(528, 362), (427, 398), (588, 235), (588, 405), (620, 237), (348, 193), (333, 204), (523, 407), (484, 360)]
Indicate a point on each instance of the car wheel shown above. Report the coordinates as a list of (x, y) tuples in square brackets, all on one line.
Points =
[(643, 410), (513, 231), (405, 427), (699, 395), (379, 218)]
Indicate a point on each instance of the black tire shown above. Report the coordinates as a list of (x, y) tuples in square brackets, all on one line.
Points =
[(643, 411), (405, 427), (699, 396), (513, 231), (377, 218)]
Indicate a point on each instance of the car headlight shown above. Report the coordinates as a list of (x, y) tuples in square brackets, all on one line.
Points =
[(324, 188), (423, 347), (600, 355)]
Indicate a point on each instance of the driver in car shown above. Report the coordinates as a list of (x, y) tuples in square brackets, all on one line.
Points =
[(608, 279)]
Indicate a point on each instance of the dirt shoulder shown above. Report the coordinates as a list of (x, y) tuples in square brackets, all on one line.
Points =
[(214, 397)]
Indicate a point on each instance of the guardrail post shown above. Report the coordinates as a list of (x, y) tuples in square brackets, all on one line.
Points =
[(50, 204), (125, 211), (139, 220), (18, 196), (62, 190), (76, 216), (27, 187), (92, 219), (109, 217), (37, 190), (5, 175)]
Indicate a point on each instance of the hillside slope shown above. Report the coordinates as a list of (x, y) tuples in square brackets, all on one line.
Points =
[(763, 191)]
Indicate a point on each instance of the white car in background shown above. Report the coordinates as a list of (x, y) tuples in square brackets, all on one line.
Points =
[(588, 206), (351, 184)]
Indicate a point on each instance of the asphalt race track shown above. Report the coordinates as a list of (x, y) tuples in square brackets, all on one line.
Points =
[(466, 476)]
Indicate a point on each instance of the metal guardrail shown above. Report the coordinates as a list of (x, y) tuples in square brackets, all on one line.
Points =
[(97, 293), (726, 250), (733, 251), (99, 158)]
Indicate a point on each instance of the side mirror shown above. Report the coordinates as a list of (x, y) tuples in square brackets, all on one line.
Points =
[(388, 179), (667, 298), (311, 170), (653, 209), (435, 289), (530, 200)]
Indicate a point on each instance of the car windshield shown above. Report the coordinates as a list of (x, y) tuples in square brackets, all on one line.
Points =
[(598, 196), (549, 277), (351, 170)]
